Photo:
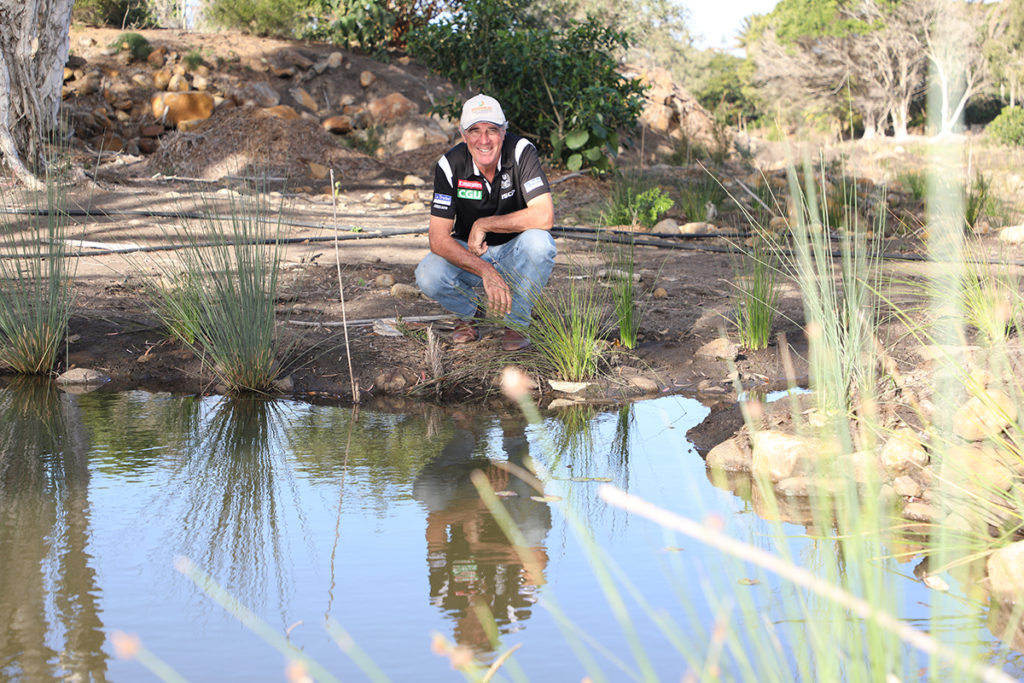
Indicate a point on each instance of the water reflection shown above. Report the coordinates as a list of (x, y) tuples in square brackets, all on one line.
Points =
[(232, 480), (49, 621), (470, 562)]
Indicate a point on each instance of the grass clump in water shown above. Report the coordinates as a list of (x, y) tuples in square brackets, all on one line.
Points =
[(224, 305), (35, 299), (756, 296)]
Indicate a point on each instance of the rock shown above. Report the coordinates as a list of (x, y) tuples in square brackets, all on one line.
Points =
[(866, 467), (1006, 573), (161, 79), (719, 349), (405, 292), (385, 280), (392, 108), (178, 83), (296, 59), (1013, 234), (157, 57), (920, 512), (707, 386), (907, 487), (283, 385), (616, 274), (282, 71), (193, 124), (644, 384), (173, 108), (796, 486), (338, 124), (903, 452), (335, 60), (346, 100), (659, 293), (143, 81), (778, 224), (984, 466), (366, 79), (256, 94), (779, 455), (408, 196), (82, 376), (985, 415), (393, 381), (559, 403), (304, 98), (697, 228), (412, 133), (148, 145), (200, 82), (152, 130), (283, 111), (730, 455), (413, 181), (666, 225), (567, 387), (318, 171)]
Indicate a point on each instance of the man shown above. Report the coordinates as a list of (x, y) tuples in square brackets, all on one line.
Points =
[(490, 225)]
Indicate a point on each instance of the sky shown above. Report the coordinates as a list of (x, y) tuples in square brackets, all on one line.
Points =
[(715, 23)]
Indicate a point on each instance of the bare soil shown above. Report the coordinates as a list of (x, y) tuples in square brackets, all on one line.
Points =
[(686, 286)]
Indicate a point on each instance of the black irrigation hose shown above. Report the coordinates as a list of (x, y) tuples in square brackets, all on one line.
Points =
[(662, 240)]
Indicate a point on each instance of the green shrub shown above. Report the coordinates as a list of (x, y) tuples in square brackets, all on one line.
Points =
[(370, 25), (631, 204), (260, 17), (558, 82), (1008, 127), (121, 13), (133, 43)]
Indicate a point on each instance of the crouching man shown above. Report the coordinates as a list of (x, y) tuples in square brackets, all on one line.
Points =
[(490, 225)]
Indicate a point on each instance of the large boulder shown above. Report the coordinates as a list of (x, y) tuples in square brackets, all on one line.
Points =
[(412, 133), (984, 415), (174, 108), (779, 456), (393, 107), (1006, 573)]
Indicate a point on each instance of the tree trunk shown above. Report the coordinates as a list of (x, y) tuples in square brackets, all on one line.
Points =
[(34, 42)]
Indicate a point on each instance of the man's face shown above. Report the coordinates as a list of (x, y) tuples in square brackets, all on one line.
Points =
[(484, 142)]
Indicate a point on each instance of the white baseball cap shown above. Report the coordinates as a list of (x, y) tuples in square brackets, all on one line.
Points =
[(481, 108)]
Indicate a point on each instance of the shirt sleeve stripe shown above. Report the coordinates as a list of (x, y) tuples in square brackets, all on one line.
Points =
[(521, 146), (446, 168)]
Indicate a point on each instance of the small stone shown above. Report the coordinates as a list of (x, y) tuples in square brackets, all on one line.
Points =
[(697, 228), (920, 512), (666, 225), (1013, 234), (82, 376), (408, 196), (283, 385), (305, 99), (903, 451), (366, 79), (318, 171), (338, 124), (644, 384), (161, 79), (178, 83), (719, 349), (405, 292), (413, 181), (1006, 573), (729, 456), (907, 487), (385, 280), (283, 111), (335, 60), (567, 387), (559, 403), (660, 293)]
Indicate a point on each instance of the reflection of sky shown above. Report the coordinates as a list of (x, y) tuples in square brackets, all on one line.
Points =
[(379, 588)]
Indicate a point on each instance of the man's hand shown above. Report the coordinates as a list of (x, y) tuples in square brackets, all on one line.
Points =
[(475, 242), (499, 296)]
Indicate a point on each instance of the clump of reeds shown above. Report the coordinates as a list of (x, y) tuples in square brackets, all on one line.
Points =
[(567, 331), (624, 293), (35, 297), (222, 304), (756, 295)]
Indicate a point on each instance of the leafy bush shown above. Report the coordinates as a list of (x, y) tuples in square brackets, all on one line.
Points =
[(134, 43), (260, 17), (1008, 127), (557, 81), (120, 13), (629, 203), (370, 25)]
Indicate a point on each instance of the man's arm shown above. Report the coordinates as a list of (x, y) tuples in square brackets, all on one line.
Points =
[(499, 296), (539, 214)]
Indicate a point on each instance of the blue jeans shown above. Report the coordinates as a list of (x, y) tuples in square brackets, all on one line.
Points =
[(524, 261)]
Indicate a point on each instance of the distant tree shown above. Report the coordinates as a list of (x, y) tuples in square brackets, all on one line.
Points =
[(1004, 52), (34, 44), (723, 86), (954, 41)]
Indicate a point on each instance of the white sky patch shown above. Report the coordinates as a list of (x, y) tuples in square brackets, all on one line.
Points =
[(717, 24)]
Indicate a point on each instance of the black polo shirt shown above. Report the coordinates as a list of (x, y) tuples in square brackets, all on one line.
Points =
[(461, 193)]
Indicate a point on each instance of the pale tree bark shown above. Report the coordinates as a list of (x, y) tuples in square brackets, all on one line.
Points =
[(34, 43), (954, 42)]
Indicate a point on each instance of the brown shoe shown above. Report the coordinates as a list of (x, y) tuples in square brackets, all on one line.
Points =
[(464, 332), (513, 341)]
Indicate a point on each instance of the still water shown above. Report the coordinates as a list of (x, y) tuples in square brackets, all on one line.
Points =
[(369, 520)]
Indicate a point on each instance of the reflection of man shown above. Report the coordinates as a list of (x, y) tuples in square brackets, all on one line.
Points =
[(470, 561), (490, 223)]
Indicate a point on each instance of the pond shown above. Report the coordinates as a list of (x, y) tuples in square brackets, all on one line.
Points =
[(360, 539)]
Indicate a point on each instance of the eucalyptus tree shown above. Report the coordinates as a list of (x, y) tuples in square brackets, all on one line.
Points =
[(34, 44), (1004, 53)]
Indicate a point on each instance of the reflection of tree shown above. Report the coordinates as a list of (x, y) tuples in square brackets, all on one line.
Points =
[(44, 534), (231, 480), (471, 563)]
